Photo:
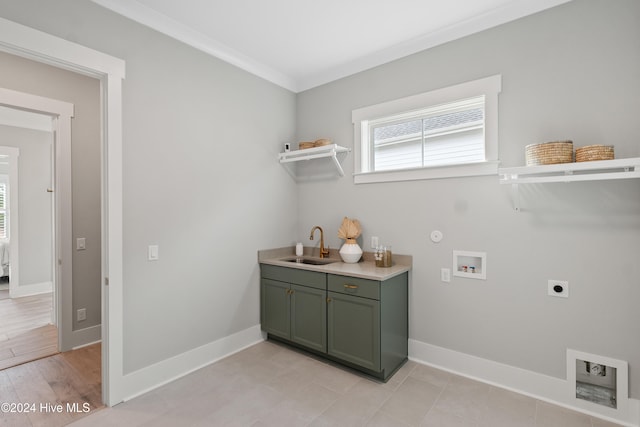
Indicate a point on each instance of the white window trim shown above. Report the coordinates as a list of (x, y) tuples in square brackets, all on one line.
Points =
[(490, 87)]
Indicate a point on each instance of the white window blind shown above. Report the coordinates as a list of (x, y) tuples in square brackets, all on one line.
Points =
[(452, 133), (3, 210)]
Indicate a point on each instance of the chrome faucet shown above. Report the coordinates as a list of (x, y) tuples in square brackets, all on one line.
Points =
[(323, 251)]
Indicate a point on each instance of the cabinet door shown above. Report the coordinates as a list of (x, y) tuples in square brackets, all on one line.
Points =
[(275, 315), (353, 333), (309, 317)]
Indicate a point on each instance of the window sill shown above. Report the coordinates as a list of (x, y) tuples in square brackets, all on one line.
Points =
[(489, 167)]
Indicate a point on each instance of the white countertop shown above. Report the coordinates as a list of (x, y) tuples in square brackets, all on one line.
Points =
[(365, 269)]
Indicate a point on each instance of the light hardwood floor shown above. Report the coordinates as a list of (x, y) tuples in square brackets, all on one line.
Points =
[(26, 332), (52, 391), (46, 388)]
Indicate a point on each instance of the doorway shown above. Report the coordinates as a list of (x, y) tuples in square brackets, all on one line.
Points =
[(27, 42), (30, 231)]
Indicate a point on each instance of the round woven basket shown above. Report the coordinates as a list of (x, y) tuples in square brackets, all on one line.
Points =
[(549, 153), (594, 152), (305, 145)]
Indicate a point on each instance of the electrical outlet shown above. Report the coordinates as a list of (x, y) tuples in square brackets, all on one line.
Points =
[(558, 288), (82, 314), (445, 275), (375, 242)]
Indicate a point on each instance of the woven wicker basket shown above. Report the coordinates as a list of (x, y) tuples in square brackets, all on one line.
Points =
[(321, 142), (305, 145), (594, 152), (549, 153)]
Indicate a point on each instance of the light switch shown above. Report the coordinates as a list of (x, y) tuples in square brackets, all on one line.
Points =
[(81, 244), (153, 253)]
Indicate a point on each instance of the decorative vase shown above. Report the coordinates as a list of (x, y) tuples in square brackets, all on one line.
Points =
[(350, 252)]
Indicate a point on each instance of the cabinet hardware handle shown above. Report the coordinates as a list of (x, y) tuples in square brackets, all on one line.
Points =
[(351, 286), (328, 299)]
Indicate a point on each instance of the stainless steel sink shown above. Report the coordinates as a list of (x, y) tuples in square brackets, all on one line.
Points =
[(312, 261)]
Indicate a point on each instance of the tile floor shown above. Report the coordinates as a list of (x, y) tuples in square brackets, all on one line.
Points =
[(271, 385)]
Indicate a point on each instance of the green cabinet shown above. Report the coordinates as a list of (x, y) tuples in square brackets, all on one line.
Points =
[(309, 317), (294, 307), (358, 322), (367, 323), (354, 330), (275, 314)]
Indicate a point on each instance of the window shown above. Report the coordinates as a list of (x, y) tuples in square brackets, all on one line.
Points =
[(3, 210), (443, 133)]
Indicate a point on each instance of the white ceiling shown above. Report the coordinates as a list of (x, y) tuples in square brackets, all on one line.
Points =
[(300, 44)]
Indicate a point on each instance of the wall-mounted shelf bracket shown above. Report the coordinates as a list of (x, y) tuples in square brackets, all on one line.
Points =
[(330, 151), (568, 172), (515, 197)]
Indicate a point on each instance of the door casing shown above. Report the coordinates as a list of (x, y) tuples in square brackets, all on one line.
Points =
[(36, 45)]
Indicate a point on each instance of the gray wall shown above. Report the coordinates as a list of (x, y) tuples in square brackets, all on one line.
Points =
[(568, 73), (34, 203), (32, 77), (201, 180)]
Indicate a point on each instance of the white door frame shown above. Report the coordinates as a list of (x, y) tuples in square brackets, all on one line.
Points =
[(23, 41), (61, 113)]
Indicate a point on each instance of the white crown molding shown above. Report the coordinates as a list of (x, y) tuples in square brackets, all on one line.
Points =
[(493, 18), (174, 29), (151, 18)]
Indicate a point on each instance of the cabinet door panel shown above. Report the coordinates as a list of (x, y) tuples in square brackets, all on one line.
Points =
[(354, 330), (275, 315), (309, 317)]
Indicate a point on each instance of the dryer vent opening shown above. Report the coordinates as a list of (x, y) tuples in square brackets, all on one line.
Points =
[(596, 383)]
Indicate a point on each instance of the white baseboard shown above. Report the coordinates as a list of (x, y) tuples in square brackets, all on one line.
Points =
[(86, 345), (154, 376), (538, 386), (84, 337), (28, 290)]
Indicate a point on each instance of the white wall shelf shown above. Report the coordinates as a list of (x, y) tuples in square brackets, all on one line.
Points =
[(330, 151), (568, 172)]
